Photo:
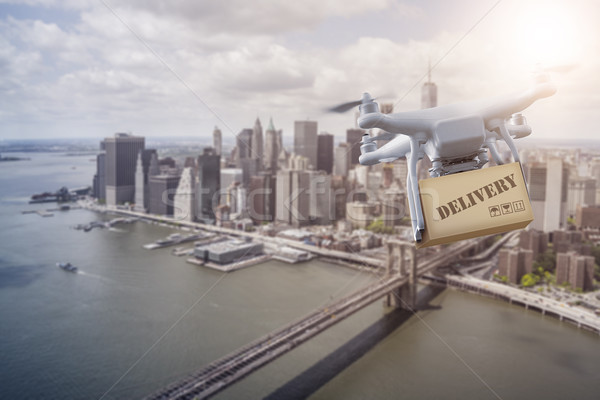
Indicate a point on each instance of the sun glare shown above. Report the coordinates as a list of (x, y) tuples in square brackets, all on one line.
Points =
[(547, 34)]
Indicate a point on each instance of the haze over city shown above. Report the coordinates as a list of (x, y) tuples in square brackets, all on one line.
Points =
[(157, 68)]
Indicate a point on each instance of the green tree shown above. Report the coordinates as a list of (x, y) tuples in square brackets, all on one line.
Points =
[(529, 280), (378, 227)]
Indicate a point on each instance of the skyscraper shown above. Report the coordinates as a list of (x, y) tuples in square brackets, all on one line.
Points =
[(261, 198), (305, 140), (342, 159), (292, 197), (244, 145), (271, 148), (257, 141), (100, 177), (121, 157), (429, 93), (218, 141), (162, 190), (353, 138), (548, 190), (208, 184), (325, 152), (184, 202)]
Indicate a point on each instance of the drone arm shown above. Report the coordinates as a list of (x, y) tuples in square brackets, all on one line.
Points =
[(506, 106)]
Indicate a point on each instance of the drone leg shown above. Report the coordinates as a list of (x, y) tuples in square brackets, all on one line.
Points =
[(509, 141), (413, 212), (413, 183), (494, 150)]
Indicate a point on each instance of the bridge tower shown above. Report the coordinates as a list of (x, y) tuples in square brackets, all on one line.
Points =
[(402, 260)]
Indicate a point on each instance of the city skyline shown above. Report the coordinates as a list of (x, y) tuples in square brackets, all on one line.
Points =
[(82, 69)]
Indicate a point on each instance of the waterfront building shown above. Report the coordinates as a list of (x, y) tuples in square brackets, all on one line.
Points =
[(208, 184), (548, 187), (342, 159), (184, 201), (99, 186), (257, 142), (140, 185), (575, 270), (162, 189), (582, 192), (271, 148), (121, 157), (225, 252), (353, 138), (218, 141), (305, 140), (514, 263), (292, 197), (325, 152)]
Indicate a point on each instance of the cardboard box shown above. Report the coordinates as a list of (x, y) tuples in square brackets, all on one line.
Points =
[(474, 203)]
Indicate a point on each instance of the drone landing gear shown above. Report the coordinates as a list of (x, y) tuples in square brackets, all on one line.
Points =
[(412, 187)]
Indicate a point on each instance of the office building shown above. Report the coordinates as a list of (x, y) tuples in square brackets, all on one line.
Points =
[(257, 142), (142, 190), (218, 141), (548, 188), (208, 184), (429, 93), (353, 138), (321, 200), (292, 197), (342, 160), (162, 189), (271, 148), (185, 200), (99, 186), (305, 140), (121, 157), (587, 217), (582, 192), (394, 206), (325, 153), (244, 145), (261, 198)]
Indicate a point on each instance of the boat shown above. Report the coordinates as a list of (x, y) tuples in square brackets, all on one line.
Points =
[(67, 267)]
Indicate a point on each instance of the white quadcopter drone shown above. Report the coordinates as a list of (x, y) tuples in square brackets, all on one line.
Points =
[(454, 137)]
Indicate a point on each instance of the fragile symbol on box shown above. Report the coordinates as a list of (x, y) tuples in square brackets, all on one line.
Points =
[(494, 211), (507, 208)]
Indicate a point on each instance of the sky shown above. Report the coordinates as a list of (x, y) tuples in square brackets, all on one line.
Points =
[(90, 68)]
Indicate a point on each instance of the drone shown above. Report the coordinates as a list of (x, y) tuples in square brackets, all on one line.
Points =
[(456, 137)]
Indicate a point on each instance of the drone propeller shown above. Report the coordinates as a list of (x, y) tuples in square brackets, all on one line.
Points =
[(341, 108)]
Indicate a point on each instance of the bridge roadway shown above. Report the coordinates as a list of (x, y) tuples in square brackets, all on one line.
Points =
[(225, 371)]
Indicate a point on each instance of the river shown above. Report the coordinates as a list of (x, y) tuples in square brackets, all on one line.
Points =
[(134, 320)]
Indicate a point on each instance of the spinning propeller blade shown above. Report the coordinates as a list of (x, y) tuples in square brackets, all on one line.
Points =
[(341, 108)]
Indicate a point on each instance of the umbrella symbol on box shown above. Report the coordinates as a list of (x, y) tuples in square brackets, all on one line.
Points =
[(507, 208), (494, 211)]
